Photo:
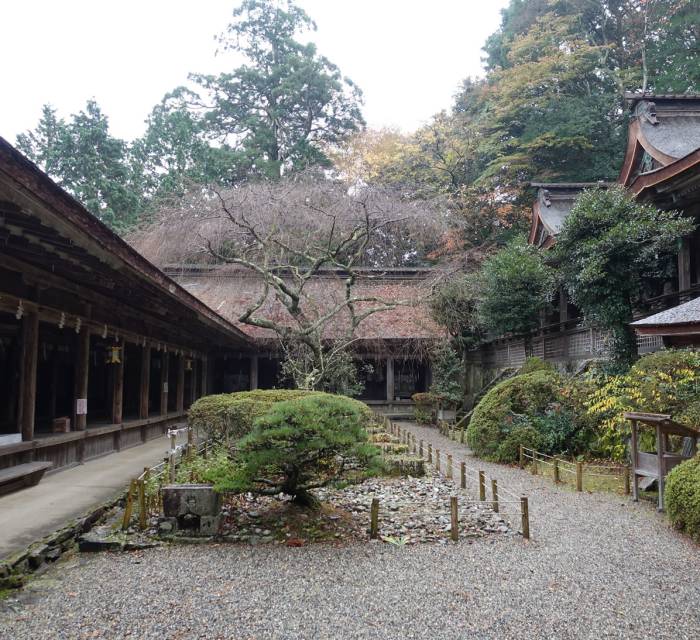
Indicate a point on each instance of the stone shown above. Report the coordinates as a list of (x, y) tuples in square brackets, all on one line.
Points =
[(166, 525)]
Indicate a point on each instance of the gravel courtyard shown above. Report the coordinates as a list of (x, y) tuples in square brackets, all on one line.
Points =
[(598, 566)]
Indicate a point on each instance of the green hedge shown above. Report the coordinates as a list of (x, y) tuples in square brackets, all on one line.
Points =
[(230, 416), (506, 411), (682, 497)]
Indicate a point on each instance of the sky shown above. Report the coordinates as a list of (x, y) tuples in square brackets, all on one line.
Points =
[(408, 56)]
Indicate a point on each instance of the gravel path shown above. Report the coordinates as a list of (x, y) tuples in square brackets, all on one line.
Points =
[(598, 566)]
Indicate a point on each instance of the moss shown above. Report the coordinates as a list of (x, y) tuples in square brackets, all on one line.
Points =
[(505, 407), (682, 496)]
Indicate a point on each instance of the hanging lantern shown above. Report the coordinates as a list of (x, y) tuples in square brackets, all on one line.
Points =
[(114, 355)]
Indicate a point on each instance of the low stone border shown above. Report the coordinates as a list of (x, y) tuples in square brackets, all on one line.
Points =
[(17, 567)]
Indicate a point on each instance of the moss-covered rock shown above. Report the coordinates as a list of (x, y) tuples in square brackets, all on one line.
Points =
[(506, 408), (682, 497)]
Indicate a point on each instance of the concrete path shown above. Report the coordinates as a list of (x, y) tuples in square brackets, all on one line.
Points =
[(31, 514)]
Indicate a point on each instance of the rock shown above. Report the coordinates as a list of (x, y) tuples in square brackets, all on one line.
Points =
[(91, 542)]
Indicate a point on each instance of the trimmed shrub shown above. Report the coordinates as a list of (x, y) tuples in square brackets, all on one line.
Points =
[(425, 409), (301, 444), (682, 497), (533, 364), (508, 405), (230, 416), (509, 448)]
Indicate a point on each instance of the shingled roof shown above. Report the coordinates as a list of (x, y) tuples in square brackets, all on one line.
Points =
[(683, 315), (663, 129), (228, 290)]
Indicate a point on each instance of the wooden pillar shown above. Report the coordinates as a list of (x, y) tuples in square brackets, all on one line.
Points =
[(180, 398), (390, 392), (205, 377), (634, 455), (145, 382), (53, 391), (253, 372), (118, 385), (82, 370), (164, 365), (684, 265), (660, 466), (28, 364)]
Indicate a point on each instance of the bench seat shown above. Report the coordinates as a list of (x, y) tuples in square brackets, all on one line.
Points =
[(22, 475)]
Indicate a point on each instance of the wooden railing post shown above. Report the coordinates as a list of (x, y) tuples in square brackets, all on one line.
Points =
[(449, 467), (463, 475), (579, 476), (521, 462), (437, 460), (494, 494), (555, 470), (627, 480), (454, 519), (374, 519), (430, 453), (420, 448), (482, 486), (525, 515)]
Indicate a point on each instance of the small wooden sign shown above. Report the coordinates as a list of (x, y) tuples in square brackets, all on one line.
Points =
[(81, 407)]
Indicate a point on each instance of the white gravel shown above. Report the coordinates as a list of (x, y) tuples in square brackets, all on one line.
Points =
[(598, 566)]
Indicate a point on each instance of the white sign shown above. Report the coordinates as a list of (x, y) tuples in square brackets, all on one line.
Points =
[(81, 407)]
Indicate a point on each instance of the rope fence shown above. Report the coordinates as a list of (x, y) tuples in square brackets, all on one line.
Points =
[(576, 472), (477, 480)]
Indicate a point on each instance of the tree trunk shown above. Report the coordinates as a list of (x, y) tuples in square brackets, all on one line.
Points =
[(306, 499)]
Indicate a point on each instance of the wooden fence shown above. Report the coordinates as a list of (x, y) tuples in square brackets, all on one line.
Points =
[(502, 500), (576, 473)]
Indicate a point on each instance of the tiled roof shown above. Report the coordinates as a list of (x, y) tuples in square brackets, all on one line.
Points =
[(686, 313)]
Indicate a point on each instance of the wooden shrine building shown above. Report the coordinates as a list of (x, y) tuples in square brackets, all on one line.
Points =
[(99, 349)]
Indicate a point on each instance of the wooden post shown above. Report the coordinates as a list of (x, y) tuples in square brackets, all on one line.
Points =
[(525, 514), (180, 391), (128, 507), (171, 467), (454, 520), (28, 366), (430, 453), (164, 366), (533, 468), (521, 459), (142, 504), (253, 373), (482, 487), (661, 471), (118, 386), (449, 467), (82, 368), (635, 460), (555, 470), (390, 380), (579, 476), (494, 494), (461, 436), (437, 460), (374, 519), (205, 366), (627, 480), (420, 448), (144, 391), (463, 475), (190, 443)]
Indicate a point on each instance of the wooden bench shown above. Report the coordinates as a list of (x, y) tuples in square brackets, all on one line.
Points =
[(22, 475)]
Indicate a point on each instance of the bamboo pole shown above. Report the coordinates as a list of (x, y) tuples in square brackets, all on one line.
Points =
[(454, 520), (374, 519), (525, 513), (482, 486)]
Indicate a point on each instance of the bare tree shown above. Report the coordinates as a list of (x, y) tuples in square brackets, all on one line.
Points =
[(313, 246)]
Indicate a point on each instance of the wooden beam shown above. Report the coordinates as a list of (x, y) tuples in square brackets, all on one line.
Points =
[(118, 386), (684, 265), (82, 372), (164, 363), (180, 398), (144, 388), (30, 352), (205, 379)]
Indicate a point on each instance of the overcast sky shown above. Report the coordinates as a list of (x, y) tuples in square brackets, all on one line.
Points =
[(408, 56)]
